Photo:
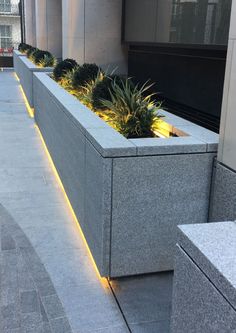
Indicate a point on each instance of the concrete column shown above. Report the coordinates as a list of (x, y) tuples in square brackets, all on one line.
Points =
[(227, 151), (73, 30), (30, 23), (92, 33), (49, 26), (223, 205), (164, 16)]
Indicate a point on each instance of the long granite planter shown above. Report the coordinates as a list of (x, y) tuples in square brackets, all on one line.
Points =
[(24, 68), (204, 293), (128, 195)]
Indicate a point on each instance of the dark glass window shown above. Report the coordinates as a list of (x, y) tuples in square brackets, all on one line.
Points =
[(203, 22)]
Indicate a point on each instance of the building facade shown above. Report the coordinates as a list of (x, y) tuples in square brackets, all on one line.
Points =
[(179, 44), (10, 28)]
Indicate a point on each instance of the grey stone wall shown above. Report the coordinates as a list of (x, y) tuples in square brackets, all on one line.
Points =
[(223, 202), (25, 70), (17, 62)]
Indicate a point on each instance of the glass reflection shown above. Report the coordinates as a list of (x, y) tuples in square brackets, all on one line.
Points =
[(178, 21), (200, 21)]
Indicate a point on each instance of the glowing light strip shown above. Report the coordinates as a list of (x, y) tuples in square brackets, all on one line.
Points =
[(29, 109), (17, 78), (103, 280)]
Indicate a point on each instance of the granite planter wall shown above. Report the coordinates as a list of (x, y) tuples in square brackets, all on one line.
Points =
[(128, 195), (25, 69), (204, 294), (223, 198), (16, 61)]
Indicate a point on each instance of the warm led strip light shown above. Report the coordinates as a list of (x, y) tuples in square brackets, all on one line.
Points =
[(17, 78), (103, 280), (29, 109)]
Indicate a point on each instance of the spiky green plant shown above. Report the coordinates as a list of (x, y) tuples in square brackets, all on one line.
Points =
[(85, 93), (47, 61), (130, 111), (66, 81), (102, 91)]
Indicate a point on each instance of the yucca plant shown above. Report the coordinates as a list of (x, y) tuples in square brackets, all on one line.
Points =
[(47, 61), (66, 81), (85, 93), (133, 113), (102, 89)]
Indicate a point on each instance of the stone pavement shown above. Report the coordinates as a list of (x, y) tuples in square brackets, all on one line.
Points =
[(40, 239), (145, 301), (29, 302)]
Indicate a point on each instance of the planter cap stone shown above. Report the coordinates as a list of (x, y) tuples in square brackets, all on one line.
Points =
[(32, 67), (18, 53), (212, 246)]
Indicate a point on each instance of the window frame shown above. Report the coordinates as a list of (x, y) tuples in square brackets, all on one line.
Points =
[(5, 6), (6, 36)]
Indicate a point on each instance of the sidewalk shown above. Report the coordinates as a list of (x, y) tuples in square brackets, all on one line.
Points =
[(32, 199), (31, 195)]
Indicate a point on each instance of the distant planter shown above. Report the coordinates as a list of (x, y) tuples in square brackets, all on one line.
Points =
[(24, 68), (129, 194), (16, 61)]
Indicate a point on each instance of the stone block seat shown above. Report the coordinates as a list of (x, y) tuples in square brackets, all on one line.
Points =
[(204, 294)]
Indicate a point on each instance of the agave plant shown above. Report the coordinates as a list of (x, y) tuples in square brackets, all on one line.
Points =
[(130, 111)]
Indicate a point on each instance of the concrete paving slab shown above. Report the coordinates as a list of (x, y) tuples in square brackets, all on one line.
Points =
[(145, 301)]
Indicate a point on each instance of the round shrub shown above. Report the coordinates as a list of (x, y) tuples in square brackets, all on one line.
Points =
[(23, 47), (84, 74), (63, 67), (102, 91), (39, 55)]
